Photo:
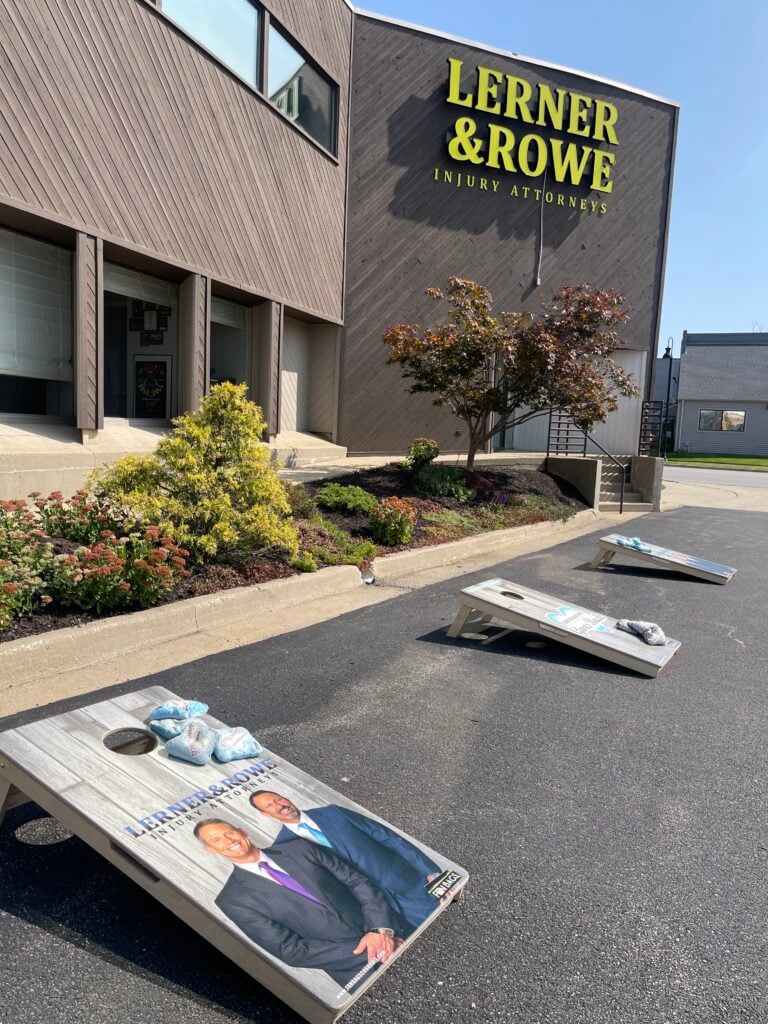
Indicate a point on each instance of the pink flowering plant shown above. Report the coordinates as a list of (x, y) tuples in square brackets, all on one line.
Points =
[(83, 553), (25, 562), (83, 518), (118, 572)]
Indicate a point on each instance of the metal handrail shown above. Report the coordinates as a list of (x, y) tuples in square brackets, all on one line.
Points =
[(588, 437), (621, 466)]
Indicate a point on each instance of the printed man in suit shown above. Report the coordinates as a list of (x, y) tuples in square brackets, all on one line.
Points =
[(391, 862), (303, 903)]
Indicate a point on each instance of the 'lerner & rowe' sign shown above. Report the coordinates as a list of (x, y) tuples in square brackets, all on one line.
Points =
[(530, 154)]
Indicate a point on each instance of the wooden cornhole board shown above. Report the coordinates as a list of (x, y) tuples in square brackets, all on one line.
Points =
[(701, 568), (140, 811), (520, 608)]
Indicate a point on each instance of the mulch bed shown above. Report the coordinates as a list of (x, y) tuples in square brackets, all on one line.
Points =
[(383, 482), (386, 481), (205, 579), (392, 480)]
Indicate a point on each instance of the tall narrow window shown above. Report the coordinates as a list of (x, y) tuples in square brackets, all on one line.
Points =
[(230, 342), (35, 327), (300, 90), (228, 28)]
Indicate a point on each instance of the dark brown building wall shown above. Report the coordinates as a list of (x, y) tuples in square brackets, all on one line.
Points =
[(114, 122), (407, 232)]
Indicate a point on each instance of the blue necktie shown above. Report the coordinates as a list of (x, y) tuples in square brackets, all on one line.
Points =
[(317, 834)]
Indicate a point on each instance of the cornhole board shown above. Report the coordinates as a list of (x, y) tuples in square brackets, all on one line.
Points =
[(520, 608), (701, 568), (139, 813)]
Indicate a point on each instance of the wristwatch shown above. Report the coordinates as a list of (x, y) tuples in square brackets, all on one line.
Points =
[(386, 931)]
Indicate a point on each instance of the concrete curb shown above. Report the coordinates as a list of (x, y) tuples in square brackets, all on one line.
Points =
[(403, 563), (79, 646), (29, 659)]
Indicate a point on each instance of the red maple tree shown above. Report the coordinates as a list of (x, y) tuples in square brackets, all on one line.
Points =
[(496, 372)]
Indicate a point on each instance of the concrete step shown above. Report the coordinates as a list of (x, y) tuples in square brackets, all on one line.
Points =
[(611, 495), (295, 449), (629, 506)]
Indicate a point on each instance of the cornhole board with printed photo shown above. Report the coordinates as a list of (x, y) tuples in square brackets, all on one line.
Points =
[(138, 810), (690, 565), (520, 608)]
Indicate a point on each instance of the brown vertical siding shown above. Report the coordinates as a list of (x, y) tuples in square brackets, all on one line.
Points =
[(99, 333), (203, 338), (194, 341), (266, 328), (277, 332), (113, 121), (86, 315), (407, 233)]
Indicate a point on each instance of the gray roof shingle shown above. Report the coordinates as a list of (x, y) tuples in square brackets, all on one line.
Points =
[(725, 372)]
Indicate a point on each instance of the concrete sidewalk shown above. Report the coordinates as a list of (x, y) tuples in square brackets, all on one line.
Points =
[(698, 495)]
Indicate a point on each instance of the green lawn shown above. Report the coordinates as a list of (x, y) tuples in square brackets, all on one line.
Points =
[(704, 459)]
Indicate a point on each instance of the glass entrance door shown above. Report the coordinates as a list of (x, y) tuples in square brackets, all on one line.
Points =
[(141, 316)]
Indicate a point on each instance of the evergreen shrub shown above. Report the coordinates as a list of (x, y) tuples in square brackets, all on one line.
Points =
[(340, 498), (210, 483)]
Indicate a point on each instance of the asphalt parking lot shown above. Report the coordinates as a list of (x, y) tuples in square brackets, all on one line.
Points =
[(613, 825)]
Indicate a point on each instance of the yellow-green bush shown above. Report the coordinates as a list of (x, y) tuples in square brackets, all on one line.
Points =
[(210, 482)]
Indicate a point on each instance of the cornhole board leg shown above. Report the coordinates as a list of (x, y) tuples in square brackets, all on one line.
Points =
[(495, 636), (10, 797), (602, 557), (468, 620), (15, 778)]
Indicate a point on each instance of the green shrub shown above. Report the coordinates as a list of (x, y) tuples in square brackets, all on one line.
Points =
[(422, 452), (329, 544), (210, 483), (300, 500), (341, 498), (444, 482), (392, 521), (305, 561)]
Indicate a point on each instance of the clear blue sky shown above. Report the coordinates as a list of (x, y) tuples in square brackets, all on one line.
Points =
[(711, 57)]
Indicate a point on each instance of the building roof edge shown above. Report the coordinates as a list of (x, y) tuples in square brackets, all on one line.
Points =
[(508, 53)]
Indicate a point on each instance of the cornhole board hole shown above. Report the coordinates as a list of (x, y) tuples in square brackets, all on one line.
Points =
[(701, 568), (520, 608), (138, 808)]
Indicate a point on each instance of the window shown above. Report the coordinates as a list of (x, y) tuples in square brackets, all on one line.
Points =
[(722, 419), (228, 28), (35, 327), (230, 342), (300, 90)]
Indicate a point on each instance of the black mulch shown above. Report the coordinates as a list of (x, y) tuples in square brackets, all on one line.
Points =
[(205, 579), (393, 480), (386, 481), (383, 482)]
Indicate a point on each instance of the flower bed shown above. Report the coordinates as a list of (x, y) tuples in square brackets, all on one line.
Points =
[(495, 499), (207, 512)]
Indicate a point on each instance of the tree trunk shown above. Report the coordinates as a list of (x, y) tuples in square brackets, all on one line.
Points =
[(474, 444)]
